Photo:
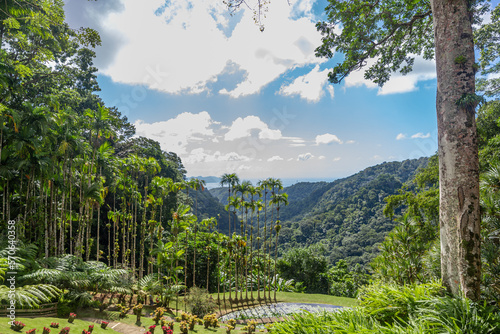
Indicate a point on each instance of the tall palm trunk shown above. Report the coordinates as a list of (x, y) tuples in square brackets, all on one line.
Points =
[(134, 237), (194, 251), (70, 237), (218, 271), (143, 231), (46, 225), (98, 222)]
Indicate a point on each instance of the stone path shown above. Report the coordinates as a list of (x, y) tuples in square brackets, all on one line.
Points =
[(119, 327)]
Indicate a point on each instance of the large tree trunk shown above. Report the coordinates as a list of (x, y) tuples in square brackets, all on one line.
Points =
[(458, 148)]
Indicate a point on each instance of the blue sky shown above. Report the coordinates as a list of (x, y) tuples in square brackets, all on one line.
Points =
[(228, 98)]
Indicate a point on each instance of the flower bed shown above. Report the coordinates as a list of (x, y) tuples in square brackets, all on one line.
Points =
[(277, 310)]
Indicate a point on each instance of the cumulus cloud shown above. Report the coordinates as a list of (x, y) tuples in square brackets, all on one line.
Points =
[(321, 157), (422, 70), (418, 135), (199, 155), (310, 87), (327, 138), (305, 157), (93, 14), (421, 135), (243, 127), (275, 158), (337, 159), (401, 136), (206, 39), (175, 134)]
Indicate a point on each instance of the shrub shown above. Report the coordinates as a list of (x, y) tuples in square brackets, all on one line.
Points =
[(123, 310), (167, 330), (184, 327), (229, 328), (416, 309), (46, 330), (137, 309), (65, 330), (387, 302), (250, 327), (460, 315), (17, 326), (158, 314), (210, 320), (72, 317), (199, 302)]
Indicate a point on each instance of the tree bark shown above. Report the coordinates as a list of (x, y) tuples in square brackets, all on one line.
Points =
[(458, 148)]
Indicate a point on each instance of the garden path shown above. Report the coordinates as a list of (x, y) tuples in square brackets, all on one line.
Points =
[(120, 327)]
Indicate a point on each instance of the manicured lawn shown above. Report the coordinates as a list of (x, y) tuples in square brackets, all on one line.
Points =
[(79, 325), (75, 328)]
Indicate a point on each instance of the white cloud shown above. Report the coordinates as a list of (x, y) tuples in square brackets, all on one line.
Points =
[(305, 157), (175, 134), (243, 127), (350, 142), (190, 43), (422, 70), (321, 157), (310, 87), (421, 135), (337, 159), (244, 167), (331, 91), (199, 155), (327, 138), (275, 158), (401, 136), (418, 135)]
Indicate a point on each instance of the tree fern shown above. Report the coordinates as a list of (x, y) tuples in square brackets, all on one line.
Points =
[(29, 296)]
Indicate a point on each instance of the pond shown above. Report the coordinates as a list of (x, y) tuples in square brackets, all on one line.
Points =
[(277, 310)]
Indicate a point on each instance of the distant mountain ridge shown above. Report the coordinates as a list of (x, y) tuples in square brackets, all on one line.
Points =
[(345, 215), (207, 179)]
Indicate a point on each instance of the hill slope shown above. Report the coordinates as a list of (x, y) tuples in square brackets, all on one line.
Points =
[(345, 215)]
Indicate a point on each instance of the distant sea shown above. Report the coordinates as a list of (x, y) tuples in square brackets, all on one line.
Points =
[(286, 182)]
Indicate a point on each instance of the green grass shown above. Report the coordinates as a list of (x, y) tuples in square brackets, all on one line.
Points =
[(79, 325), (76, 327)]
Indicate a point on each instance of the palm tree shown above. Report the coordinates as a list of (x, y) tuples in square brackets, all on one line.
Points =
[(278, 200), (210, 222), (149, 167), (181, 221), (231, 180), (258, 207), (265, 186), (104, 155), (235, 204), (196, 185), (275, 186)]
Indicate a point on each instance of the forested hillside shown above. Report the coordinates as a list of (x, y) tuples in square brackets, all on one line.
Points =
[(205, 205), (346, 215)]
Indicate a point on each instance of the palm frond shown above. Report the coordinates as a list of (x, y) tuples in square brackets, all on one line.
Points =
[(29, 296)]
